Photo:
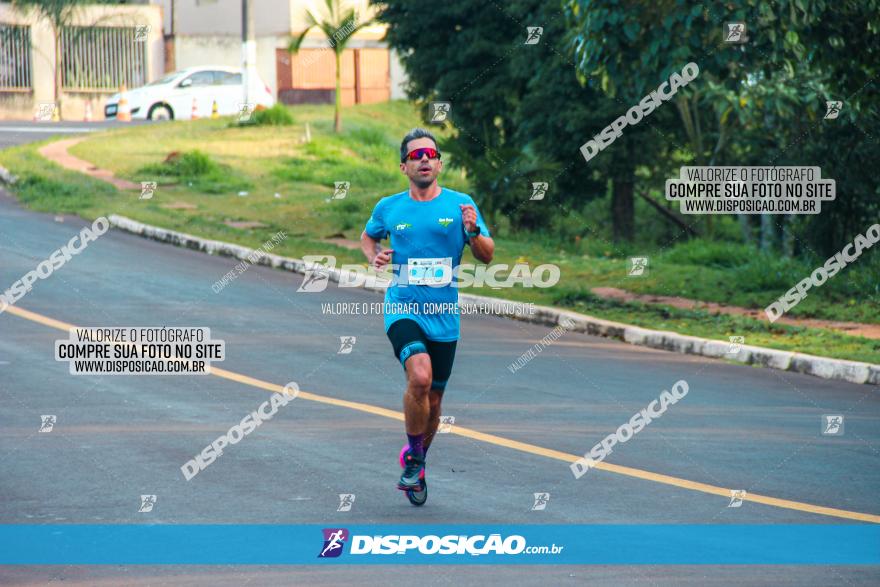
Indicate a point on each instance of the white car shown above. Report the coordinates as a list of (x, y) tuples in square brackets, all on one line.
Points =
[(173, 96)]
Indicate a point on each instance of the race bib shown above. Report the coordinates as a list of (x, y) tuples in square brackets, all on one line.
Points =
[(436, 271)]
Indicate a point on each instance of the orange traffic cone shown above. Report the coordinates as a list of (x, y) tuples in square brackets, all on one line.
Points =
[(123, 113), (214, 113), (194, 115)]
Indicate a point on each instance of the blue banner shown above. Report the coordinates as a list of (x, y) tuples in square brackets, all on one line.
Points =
[(137, 544)]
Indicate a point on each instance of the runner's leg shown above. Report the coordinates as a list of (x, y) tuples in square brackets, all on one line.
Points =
[(416, 405), (442, 356), (410, 348), (434, 400)]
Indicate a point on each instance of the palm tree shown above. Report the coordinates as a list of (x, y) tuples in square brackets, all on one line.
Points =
[(339, 28)]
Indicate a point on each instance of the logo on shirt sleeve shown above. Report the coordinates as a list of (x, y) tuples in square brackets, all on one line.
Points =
[(402, 226)]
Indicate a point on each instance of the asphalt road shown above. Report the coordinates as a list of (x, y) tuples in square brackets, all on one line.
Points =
[(13, 132), (118, 437)]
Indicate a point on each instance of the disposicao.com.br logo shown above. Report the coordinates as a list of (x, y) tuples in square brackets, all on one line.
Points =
[(334, 540)]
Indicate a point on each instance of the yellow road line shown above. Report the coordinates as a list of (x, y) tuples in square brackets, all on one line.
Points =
[(501, 441)]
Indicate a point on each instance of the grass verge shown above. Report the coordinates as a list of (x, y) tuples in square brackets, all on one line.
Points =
[(288, 184)]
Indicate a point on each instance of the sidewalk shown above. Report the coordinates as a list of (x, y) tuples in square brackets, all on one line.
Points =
[(57, 152)]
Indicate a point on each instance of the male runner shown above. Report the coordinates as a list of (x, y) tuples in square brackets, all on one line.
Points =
[(428, 227)]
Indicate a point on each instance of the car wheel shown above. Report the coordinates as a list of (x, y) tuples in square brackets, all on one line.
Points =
[(160, 112)]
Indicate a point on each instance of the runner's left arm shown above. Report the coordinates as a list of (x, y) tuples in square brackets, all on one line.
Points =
[(483, 248), (482, 245)]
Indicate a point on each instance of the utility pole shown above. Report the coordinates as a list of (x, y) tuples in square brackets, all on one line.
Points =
[(248, 47), (171, 43)]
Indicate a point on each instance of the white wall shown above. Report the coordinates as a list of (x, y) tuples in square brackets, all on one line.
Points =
[(223, 17), (225, 50), (398, 77), (209, 32), (22, 105)]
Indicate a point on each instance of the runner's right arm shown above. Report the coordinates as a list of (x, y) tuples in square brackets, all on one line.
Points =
[(374, 253), (370, 245)]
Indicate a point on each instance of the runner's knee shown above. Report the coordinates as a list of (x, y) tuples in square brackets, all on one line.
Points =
[(418, 372)]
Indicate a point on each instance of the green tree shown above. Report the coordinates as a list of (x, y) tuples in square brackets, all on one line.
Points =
[(458, 54), (338, 26), (760, 102), (559, 111), (519, 112)]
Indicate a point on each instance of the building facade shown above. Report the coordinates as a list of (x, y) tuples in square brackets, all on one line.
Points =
[(100, 48), (104, 46)]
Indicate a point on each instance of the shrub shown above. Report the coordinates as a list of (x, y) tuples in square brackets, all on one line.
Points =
[(277, 115), (198, 171)]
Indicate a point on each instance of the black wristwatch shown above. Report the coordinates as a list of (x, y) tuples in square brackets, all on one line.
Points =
[(473, 234)]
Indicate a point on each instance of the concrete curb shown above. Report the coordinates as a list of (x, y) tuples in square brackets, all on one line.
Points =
[(7, 177), (851, 371)]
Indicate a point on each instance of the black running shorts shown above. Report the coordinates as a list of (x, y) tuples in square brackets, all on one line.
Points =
[(408, 339)]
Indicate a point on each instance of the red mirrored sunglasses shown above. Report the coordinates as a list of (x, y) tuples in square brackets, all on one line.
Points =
[(417, 154)]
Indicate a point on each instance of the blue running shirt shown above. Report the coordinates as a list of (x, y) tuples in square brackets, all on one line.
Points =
[(427, 233)]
